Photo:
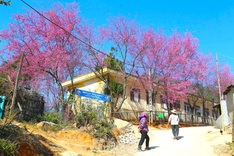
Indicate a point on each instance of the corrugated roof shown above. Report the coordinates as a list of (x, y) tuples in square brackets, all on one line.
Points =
[(228, 89)]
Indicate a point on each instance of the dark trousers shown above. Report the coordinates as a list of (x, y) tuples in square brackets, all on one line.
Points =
[(175, 130), (144, 136)]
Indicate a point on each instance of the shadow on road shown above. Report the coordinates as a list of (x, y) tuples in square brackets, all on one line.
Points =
[(153, 147)]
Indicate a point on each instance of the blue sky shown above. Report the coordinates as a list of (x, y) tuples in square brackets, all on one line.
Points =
[(212, 22)]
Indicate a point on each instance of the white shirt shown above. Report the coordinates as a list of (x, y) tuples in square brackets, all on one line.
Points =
[(173, 119)]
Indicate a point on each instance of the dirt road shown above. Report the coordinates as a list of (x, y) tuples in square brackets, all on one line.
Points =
[(193, 141)]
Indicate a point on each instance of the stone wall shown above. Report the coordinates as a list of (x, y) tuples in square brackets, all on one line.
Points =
[(29, 104)]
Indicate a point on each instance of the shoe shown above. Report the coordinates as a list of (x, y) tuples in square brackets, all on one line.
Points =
[(177, 138), (139, 148), (147, 148)]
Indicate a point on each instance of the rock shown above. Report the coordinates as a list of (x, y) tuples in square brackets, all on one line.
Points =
[(43, 123), (120, 123), (40, 124)]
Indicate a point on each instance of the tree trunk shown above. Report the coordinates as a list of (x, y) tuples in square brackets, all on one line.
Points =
[(203, 111)]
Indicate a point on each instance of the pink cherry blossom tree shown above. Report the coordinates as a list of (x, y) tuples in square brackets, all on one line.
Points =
[(52, 45), (125, 36), (225, 76), (202, 84), (205, 82), (172, 62)]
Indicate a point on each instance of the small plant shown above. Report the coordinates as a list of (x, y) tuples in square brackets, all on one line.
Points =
[(85, 119), (7, 147), (85, 116), (52, 117), (103, 129), (95, 117)]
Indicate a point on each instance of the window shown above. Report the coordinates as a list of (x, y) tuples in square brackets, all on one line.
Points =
[(214, 114), (153, 97), (197, 111), (187, 108), (147, 96), (163, 102), (206, 112), (135, 95)]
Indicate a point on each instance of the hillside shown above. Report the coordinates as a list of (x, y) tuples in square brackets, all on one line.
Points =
[(69, 141), (73, 142)]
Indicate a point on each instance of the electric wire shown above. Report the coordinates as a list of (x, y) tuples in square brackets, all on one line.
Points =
[(62, 28), (68, 31)]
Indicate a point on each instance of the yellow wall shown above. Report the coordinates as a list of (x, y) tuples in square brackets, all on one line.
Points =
[(91, 83)]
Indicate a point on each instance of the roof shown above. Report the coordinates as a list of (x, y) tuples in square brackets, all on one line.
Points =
[(216, 106), (86, 77), (228, 89)]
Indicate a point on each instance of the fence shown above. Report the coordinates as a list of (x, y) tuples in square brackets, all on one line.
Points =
[(162, 117)]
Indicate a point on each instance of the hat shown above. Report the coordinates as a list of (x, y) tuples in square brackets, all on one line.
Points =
[(143, 114), (173, 111)]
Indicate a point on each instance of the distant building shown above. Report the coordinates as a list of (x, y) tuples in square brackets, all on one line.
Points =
[(229, 96), (137, 97)]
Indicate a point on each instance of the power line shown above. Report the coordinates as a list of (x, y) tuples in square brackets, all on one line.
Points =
[(63, 28), (227, 56), (68, 31)]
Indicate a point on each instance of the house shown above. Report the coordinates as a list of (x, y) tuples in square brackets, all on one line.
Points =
[(137, 98), (229, 96)]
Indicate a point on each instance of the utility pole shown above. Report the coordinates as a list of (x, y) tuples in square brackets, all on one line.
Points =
[(220, 95), (16, 83)]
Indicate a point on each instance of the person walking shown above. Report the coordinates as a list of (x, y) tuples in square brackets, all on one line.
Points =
[(174, 121), (143, 129)]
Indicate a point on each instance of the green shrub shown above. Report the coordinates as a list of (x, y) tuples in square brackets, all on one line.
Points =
[(52, 117), (85, 118), (95, 117), (103, 129), (7, 147)]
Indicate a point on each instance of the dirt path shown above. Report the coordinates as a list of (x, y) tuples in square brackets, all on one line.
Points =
[(194, 141)]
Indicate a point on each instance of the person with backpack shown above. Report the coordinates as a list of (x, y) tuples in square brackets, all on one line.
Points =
[(143, 129)]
